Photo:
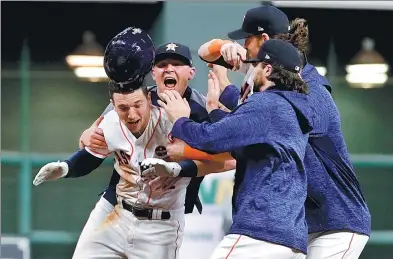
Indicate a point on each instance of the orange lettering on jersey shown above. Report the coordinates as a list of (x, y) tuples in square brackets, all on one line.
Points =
[(122, 157)]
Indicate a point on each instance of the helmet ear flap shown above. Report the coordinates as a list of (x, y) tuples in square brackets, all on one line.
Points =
[(129, 56)]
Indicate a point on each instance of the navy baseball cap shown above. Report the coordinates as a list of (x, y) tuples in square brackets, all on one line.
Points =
[(280, 53), (175, 51), (264, 19)]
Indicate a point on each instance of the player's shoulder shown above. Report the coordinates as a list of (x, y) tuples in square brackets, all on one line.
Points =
[(110, 118), (160, 119)]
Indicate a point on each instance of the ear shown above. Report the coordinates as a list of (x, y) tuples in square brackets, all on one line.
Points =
[(192, 73), (269, 70), (149, 98), (153, 73), (265, 37)]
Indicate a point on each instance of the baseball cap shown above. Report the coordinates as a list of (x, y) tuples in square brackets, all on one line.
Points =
[(278, 52), (264, 19), (174, 50)]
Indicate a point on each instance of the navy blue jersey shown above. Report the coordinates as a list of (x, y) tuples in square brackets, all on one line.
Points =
[(199, 114), (268, 136), (335, 200)]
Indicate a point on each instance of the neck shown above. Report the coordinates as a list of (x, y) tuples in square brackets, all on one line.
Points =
[(266, 86)]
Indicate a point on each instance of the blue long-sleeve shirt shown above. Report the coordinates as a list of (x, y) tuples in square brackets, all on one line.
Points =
[(268, 134), (335, 200)]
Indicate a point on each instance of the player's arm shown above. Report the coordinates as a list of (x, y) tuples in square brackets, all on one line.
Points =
[(186, 168), (81, 163), (178, 150), (246, 125)]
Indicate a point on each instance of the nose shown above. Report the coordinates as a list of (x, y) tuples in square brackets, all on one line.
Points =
[(169, 68), (132, 115)]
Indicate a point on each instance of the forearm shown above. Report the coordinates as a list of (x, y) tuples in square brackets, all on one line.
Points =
[(212, 167), (195, 168), (230, 96), (82, 163), (195, 154)]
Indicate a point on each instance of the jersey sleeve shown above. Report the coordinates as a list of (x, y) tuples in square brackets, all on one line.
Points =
[(108, 108)]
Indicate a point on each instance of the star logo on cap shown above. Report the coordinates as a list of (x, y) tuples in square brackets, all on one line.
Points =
[(136, 30), (171, 46)]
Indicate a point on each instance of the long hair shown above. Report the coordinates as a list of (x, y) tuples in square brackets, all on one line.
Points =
[(287, 80)]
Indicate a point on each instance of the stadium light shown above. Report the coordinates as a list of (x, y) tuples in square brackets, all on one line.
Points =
[(368, 69), (87, 60), (321, 70)]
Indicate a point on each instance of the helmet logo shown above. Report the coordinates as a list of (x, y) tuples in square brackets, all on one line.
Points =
[(136, 30), (171, 46)]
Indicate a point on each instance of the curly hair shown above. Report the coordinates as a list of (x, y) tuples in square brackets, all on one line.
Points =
[(289, 81), (298, 34)]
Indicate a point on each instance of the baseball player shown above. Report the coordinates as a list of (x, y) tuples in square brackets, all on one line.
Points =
[(147, 222), (338, 218), (173, 62), (268, 136)]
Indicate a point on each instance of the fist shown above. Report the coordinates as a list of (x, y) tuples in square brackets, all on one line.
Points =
[(233, 53), (158, 167), (50, 172)]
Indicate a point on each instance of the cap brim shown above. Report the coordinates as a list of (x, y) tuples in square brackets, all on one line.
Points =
[(174, 55), (251, 60), (239, 34)]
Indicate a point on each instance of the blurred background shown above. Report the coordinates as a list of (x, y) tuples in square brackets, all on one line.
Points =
[(50, 93)]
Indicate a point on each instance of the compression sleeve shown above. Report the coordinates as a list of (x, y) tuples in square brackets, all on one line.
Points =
[(82, 163)]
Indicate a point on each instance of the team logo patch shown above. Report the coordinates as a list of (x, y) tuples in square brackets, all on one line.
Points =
[(160, 151)]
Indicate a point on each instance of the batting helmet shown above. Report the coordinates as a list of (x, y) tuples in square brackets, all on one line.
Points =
[(129, 57)]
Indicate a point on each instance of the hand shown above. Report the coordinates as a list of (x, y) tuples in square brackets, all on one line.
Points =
[(175, 150), (158, 167), (213, 93), (163, 184), (222, 75), (174, 105), (50, 172), (93, 137), (233, 54)]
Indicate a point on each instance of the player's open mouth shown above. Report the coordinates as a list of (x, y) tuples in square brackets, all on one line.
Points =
[(170, 82), (133, 122)]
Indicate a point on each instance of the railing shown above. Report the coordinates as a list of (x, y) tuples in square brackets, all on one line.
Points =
[(27, 160)]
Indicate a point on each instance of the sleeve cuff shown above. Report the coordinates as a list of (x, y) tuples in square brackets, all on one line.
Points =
[(228, 93), (216, 115)]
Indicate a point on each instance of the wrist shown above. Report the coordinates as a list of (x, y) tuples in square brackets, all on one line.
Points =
[(64, 169), (188, 168), (212, 105)]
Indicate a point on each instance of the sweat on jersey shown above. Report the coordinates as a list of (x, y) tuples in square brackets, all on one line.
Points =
[(268, 136), (335, 200)]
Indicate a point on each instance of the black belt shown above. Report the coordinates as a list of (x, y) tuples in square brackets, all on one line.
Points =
[(144, 213)]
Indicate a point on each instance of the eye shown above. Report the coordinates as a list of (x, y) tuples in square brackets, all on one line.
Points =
[(123, 108), (162, 64)]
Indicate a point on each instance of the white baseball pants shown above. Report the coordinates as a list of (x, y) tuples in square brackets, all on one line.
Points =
[(335, 245), (102, 209), (122, 235), (244, 247)]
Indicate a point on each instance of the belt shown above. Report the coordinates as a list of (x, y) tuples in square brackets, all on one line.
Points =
[(145, 213)]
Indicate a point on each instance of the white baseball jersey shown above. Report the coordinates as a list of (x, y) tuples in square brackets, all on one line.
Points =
[(131, 151)]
